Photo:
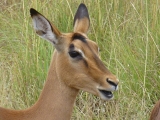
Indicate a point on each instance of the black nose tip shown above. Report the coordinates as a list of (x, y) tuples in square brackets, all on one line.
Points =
[(111, 82)]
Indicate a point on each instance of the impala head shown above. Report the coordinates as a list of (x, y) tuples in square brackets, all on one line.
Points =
[(77, 57)]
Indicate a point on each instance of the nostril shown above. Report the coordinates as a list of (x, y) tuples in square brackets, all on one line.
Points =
[(111, 82)]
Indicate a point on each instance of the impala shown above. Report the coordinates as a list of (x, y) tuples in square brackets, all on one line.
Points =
[(75, 66), (155, 114)]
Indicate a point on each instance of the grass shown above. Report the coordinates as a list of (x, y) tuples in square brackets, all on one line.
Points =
[(128, 33)]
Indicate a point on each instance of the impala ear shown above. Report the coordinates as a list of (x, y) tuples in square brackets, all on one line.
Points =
[(81, 19), (44, 28)]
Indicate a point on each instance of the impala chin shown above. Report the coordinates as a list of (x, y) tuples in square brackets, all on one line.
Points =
[(105, 95)]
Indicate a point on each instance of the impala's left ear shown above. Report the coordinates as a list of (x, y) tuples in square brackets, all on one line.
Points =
[(81, 19), (44, 28)]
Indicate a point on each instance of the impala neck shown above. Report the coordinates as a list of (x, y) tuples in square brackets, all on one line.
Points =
[(56, 100), (55, 103)]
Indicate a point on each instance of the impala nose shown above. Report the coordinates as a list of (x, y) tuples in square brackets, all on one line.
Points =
[(115, 84)]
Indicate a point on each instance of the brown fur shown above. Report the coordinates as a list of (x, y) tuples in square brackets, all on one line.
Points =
[(66, 75), (155, 114)]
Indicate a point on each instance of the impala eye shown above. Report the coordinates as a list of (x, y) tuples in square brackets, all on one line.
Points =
[(75, 54)]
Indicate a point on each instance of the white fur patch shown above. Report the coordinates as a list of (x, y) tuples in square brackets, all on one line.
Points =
[(80, 51), (43, 28)]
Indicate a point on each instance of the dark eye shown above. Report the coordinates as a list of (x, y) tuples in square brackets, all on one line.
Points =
[(75, 54)]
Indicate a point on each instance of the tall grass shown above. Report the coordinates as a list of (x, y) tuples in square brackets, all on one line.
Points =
[(128, 33)]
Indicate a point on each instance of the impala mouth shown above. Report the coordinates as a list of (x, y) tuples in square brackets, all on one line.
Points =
[(106, 94)]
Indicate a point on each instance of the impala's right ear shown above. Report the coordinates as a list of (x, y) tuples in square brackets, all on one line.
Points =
[(44, 28)]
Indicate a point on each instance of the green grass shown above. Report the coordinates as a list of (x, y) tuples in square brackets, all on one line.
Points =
[(128, 33)]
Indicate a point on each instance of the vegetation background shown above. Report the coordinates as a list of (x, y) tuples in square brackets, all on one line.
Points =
[(128, 34)]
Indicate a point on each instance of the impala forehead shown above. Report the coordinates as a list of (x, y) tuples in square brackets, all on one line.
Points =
[(82, 39), (79, 36), (81, 43), (82, 47)]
